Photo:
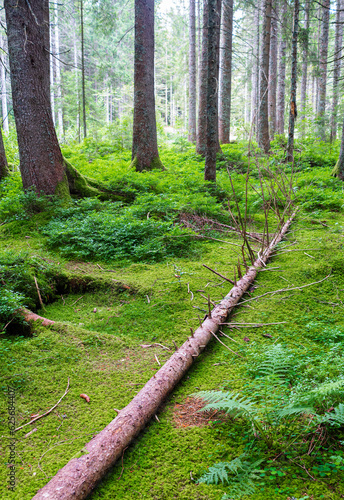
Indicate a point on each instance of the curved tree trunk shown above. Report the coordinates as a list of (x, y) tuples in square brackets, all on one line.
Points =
[(145, 155), (321, 118), (263, 122), (293, 112), (273, 71), (80, 476), (337, 67), (192, 72), (225, 80), (214, 14), (281, 71)]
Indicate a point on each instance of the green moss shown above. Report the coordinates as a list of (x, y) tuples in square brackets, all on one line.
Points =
[(156, 164), (62, 190)]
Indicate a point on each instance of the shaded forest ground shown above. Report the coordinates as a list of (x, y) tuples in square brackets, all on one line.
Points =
[(109, 300)]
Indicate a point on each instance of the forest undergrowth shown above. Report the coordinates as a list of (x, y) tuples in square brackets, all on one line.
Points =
[(124, 282)]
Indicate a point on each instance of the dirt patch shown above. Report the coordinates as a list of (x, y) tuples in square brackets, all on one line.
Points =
[(187, 414)]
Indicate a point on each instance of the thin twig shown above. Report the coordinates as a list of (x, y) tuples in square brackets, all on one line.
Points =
[(77, 300), (226, 346), (39, 294), (218, 274), (47, 412)]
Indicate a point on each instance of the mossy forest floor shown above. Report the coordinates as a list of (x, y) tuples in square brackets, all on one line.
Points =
[(110, 310)]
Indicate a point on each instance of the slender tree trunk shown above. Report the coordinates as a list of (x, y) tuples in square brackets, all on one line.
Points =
[(338, 170), (321, 118), (255, 71), (281, 71), (51, 60), (145, 155), (83, 67), (225, 85), (4, 171), (337, 67), (305, 62), (41, 162), (201, 141), (263, 123), (192, 72), (3, 87), (58, 71), (214, 16), (76, 73), (293, 112), (273, 71)]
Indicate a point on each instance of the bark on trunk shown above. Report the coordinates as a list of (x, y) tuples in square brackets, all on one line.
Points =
[(273, 71), (58, 71), (79, 477), (3, 86), (321, 119), (263, 123), (202, 100), (214, 13), (281, 71), (192, 72), (225, 85), (4, 171), (293, 112), (337, 67), (305, 62), (255, 73), (41, 162), (145, 155), (83, 68), (338, 170)]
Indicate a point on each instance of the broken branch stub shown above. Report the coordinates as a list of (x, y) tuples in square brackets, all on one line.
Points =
[(80, 475)]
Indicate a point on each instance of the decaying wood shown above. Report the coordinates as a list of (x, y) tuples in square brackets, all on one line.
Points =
[(46, 413), (31, 316), (80, 475)]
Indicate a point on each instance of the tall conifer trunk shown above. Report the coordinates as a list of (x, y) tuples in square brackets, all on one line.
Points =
[(321, 118), (281, 71), (225, 85), (305, 43), (255, 71), (145, 155), (4, 171), (3, 86), (214, 16), (293, 112), (337, 67), (263, 123), (41, 162), (273, 70), (192, 72), (203, 75)]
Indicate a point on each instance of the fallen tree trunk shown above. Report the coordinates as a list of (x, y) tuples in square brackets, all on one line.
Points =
[(79, 477)]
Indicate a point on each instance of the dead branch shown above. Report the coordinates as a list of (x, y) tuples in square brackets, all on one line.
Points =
[(47, 412), (218, 274), (31, 316)]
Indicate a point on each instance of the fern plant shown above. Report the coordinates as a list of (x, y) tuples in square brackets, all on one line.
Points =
[(240, 481)]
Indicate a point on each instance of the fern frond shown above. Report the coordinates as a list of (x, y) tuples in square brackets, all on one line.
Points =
[(229, 402), (239, 489), (337, 418), (215, 474), (295, 410), (275, 362)]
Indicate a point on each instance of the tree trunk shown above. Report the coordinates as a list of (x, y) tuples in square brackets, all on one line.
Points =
[(41, 162), (225, 85), (273, 71), (4, 171), (293, 112), (51, 60), (58, 71), (281, 71), (337, 67), (263, 123), (201, 141), (3, 86), (83, 90), (321, 119), (214, 16), (305, 43), (145, 154), (192, 72), (255, 72), (338, 170), (80, 475)]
